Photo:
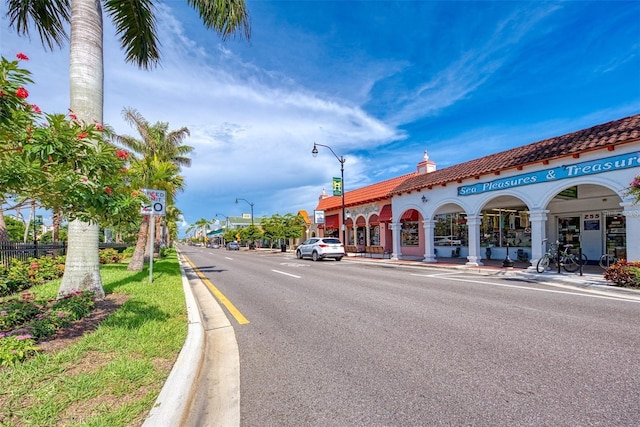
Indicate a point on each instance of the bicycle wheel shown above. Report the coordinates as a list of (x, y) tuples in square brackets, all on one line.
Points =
[(584, 260), (606, 260), (543, 264), (570, 263)]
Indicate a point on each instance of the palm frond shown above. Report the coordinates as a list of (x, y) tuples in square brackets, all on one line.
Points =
[(48, 17), (226, 17), (136, 26)]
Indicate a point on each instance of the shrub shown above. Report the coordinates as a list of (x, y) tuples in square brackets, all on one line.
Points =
[(15, 349), (109, 256), (24, 321), (624, 273), (128, 252), (35, 271)]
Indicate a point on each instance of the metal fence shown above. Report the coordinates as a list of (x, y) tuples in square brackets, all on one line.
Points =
[(23, 251)]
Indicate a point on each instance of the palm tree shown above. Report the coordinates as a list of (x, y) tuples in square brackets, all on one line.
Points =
[(135, 25), (202, 224), (158, 156)]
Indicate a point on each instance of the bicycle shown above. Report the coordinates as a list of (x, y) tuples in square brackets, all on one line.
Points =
[(568, 261), (607, 260)]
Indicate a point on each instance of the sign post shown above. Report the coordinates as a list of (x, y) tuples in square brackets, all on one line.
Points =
[(156, 206)]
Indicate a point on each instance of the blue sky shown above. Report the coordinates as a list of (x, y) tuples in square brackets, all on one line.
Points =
[(378, 81)]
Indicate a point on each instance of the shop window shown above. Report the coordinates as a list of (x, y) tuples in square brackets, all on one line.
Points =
[(451, 229), (410, 235), (569, 231), (505, 226), (374, 235), (616, 235), (361, 237)]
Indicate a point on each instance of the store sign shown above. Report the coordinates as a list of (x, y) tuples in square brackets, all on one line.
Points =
[(318, 217), (608, 164)]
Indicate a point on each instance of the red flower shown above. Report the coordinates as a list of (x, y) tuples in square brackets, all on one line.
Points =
[(108, 190), (122, 154), (82, 135), (22, 57), (72, 116), (99, 127), (22, 92), (36, 109)]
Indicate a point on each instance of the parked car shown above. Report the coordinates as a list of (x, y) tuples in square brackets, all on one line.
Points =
[(233, 246), (321, 247)]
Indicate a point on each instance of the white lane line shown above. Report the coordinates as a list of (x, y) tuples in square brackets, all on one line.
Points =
[(553, 291), (286, 274), (231, 259)]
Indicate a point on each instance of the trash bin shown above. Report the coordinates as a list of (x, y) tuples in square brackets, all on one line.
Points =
[(283, 247)]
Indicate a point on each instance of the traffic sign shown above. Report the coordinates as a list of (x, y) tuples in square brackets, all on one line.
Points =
[(157, 202)]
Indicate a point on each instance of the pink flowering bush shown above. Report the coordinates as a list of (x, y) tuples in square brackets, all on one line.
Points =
[(634, 189), (35, 271), (24, 321)]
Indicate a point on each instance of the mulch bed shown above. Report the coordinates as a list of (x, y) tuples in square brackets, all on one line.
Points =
[(77, 329)]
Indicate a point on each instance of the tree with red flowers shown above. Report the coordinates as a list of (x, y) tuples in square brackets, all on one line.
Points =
[(135, 26), (64, 164)]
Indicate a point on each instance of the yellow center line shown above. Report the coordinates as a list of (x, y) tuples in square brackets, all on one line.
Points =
[(220, 296)]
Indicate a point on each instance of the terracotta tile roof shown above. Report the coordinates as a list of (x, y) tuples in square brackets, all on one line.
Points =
[(606, 135), (370, 193)]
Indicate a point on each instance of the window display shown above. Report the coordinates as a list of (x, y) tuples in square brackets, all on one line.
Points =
[(505, 226), (410, 235)]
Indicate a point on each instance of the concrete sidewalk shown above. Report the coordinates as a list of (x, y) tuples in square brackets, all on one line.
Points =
[(591, 278)]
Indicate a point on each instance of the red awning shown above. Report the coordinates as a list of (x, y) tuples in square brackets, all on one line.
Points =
[(331, 221), (410, 215), (361, 222), (385, 214), (373, 220)]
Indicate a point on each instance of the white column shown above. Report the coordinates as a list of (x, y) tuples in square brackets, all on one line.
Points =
[(473, 229), (396, 228), (632, 220), (538, 221), (429, 226)]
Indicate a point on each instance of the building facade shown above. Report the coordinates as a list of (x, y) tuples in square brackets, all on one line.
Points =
[(571, 189)]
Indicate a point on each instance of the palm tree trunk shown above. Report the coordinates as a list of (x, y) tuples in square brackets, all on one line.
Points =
[(137, 259), (55, 233), (86, 73), (4, 234)]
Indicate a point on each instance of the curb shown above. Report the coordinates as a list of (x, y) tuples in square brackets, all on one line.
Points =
[(172, 405)]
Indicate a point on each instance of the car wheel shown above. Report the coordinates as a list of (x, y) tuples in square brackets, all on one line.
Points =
[(315, 256), (298, 254), (338, 258)]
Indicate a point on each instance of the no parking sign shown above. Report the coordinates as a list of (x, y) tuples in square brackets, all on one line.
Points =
[(157, 203)]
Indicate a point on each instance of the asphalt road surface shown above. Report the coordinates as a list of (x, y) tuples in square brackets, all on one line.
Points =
[(349, 344)]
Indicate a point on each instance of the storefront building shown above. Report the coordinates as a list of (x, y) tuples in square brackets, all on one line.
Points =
[(571, 189), (367, 215)]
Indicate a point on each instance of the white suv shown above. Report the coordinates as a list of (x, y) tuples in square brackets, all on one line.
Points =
[(321, 247)]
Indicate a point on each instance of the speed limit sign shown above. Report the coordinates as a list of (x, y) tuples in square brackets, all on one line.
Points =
[(157, 202)]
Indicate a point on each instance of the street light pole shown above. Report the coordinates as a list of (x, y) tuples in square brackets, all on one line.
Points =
[(227, 225), (250, 204), (341, 159)]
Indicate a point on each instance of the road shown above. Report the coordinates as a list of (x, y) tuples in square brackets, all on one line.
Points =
[(350, 344)]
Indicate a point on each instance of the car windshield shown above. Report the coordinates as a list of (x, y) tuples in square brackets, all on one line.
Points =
[(332, 241)]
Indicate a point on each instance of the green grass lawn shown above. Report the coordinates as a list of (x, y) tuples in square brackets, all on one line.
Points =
[(112, 375)]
